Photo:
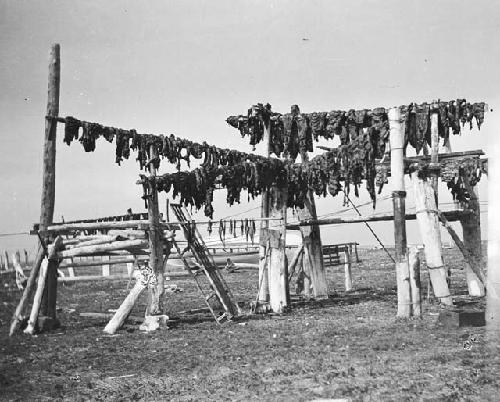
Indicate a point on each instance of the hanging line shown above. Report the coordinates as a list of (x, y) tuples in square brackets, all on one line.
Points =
[(369, 227)]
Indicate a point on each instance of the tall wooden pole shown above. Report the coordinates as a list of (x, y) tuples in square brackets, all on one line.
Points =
[(398, 200), (155, 293), (277, 268), (493, 280), (263, 296), (313, 250)]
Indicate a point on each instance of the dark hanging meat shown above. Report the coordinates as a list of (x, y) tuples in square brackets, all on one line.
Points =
[(478, 112), (71, 129), (252, 231), (122, 142), (318, 124), (210, 227), (305, 138), (423, 126), (90, 134)]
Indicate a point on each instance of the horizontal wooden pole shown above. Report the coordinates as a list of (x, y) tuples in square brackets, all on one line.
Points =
[(138, 224), (117, 245), (99, 263), (450, 216)]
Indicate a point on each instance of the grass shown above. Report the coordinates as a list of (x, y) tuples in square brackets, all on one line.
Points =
[(349, 346)]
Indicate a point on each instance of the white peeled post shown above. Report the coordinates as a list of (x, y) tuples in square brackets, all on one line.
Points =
[(42, 276), (105, 267), (396, 138), (415, 284), (347, 270)]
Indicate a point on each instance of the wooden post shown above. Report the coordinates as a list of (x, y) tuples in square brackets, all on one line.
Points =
[(7, 263), (279, 295), (398, 199), (415, 284), (128, 304), (493, 280), (1, 262), (435, 149), (20, 277), (471, 229), (427, 218), (42, 276), (50, 262), (263, 296), (313, 250), (155, 293), (347, 270), (105, 268)]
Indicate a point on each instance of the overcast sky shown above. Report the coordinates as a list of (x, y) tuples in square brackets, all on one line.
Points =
[(182, 67)]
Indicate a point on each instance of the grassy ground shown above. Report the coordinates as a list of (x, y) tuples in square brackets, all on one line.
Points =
[(349, 346)]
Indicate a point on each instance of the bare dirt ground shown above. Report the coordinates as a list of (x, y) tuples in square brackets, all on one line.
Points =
[(350, 346)]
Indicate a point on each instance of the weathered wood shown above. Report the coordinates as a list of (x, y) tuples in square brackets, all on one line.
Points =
[(263, 296), (105, 267), (279, 295), (68, 227), (311, 239), (469, 257), (155, 293), (435, 149), (450, 215), (7, 262), (42, 279), (471, 229), (415, 284), (127, 305), (18, 316), (347, 270), (99, 248), (30, 329), (398, 197), (2, 266), (293, 263), (49, 163), (129, 260), (427, 218)]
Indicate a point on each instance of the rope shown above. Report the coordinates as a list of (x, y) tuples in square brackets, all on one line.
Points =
[(369, 227)]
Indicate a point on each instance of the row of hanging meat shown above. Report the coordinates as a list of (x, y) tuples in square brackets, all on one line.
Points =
[(151, 148), (293, 133)]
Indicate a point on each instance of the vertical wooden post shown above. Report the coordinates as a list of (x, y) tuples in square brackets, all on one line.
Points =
[(48, 307), (471, 228), (347, 270), (493, 279), (398, 200), (7, 263), (435, 149), (1, 262), (415, 284), (263, 297), (155, 293), (313, 250), (428, 222), (105, 267), (279, 294)]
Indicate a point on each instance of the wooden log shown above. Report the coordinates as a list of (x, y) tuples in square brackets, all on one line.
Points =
[(263, 296), (103, 239), (347, 270), (30, 329), (155, 293), (415, 284), (69, 227), (117, 261), (279, 295), (469, 257), (18, 316), (471, 229), (427, 218), (49, 161), (398, 198), (42, 279), (293, 263), (101, 248), (311, 240), (7, 262), (105, 267), (454, 215), (126, 307), (20, 277), (435, 149)]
